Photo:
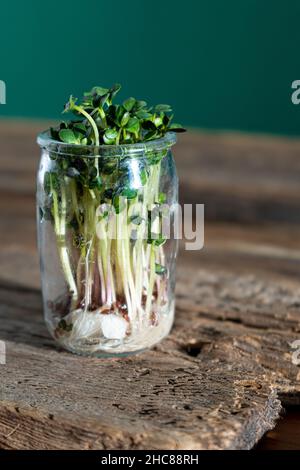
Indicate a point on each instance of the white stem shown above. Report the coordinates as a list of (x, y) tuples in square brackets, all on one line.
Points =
[(60, 230)]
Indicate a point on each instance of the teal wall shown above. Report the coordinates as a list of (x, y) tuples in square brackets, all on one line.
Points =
[(220, 63)]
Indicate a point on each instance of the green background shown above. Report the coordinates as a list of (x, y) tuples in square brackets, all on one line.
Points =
[(220, 64)]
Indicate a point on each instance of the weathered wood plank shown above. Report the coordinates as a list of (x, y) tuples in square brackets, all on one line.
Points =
[(212, 384), (241, 177), (238, 177), (218, 381)]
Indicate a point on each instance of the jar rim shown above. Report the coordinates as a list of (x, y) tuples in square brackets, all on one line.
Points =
[(46, 142)]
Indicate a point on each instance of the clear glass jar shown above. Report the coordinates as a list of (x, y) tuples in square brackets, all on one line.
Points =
[(107, 259)]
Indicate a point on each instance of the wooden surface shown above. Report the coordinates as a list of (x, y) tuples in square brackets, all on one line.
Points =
[(286, 434), (220, 380)]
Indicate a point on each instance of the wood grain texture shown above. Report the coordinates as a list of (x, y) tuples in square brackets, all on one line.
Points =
[(212, 384), (217, 382), (214, 169), (241, 178)]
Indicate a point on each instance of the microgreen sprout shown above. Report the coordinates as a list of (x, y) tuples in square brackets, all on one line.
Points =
[(123, 277), (103, 122)]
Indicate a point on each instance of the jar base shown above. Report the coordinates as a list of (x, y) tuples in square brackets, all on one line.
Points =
[(140, 339)]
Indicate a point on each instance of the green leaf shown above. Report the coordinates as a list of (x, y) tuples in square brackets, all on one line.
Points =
[(162, 197), (128, 123), (142, 114), (110, 136), (160, 241), (99, 100), (149, 125), (136, 219), (99, 90), (111, 133), (129, 103), (69, 106), (139, 104), (68, 136), (156, 239), (129, 193), (114, 90), (127, 138), (96, 183), (125, 119), (176, 128), (80, 127), (133, 125), (166, 119), (103, 100), (159, 269), (54, 133), (158, 121), (78, 135), (162, 108), (150, 135), (104, 215), (119, 112)]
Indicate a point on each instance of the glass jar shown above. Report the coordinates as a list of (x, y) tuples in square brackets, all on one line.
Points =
[(106, 220)]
